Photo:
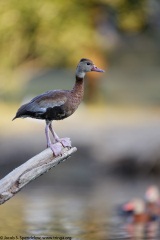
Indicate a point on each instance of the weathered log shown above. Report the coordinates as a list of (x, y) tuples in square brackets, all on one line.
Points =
[(30, 170)]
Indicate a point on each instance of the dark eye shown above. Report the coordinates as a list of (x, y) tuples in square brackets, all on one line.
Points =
[(88, 63)]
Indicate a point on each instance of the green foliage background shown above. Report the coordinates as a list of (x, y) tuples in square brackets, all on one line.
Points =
[(57, 33), (49, 31)]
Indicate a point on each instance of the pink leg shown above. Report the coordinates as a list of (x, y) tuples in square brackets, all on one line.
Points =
[(57, 147), (66, 142)]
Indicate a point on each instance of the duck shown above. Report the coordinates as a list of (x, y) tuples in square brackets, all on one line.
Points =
[(140, 225), (152, 199), (58, 105), (134, 211), (140, 215)]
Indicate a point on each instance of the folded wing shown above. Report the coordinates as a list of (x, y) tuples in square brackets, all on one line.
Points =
[(39, 105)]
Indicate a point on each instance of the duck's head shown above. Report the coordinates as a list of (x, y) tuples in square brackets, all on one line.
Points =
[(152, 194), (86, 65)]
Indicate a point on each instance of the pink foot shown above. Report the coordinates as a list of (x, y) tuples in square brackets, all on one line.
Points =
[(56, 148), (66, 142)]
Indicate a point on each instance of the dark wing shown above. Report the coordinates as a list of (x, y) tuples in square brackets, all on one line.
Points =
[(42, 102)]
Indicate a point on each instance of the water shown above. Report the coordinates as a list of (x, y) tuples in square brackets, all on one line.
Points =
[(40, 215), (86, 214)]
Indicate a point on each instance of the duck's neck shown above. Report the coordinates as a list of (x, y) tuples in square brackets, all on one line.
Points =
[(78, 89)]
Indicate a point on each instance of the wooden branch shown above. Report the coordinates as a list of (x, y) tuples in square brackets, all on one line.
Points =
[(30, 170)]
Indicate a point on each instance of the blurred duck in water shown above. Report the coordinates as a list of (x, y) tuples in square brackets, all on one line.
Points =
[(142, 210), (134, 211), (152, 202)]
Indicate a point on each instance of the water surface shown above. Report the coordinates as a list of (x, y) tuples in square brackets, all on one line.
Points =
[(88, 214)]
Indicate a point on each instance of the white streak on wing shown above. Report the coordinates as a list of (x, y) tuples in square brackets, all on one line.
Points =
[(49, 105), (42, 109), (53, 104)]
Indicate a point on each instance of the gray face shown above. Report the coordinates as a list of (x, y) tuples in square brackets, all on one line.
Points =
[(86, 65)]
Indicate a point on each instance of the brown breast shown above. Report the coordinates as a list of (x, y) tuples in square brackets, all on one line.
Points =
[(75, 97)]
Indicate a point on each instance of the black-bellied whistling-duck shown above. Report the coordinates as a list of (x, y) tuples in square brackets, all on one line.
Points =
[(57, 105), (152, 199), (134, 211)]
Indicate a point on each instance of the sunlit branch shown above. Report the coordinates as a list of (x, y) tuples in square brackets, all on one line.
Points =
[(30, 170)]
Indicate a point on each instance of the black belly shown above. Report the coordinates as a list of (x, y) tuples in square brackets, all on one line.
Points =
[(55, 113)]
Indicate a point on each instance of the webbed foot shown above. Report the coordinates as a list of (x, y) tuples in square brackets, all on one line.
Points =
[(56, 148)]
